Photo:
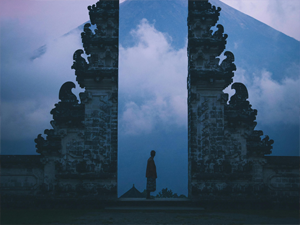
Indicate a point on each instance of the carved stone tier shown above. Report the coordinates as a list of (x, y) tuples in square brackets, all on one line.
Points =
[(208, 79), (91, 78), (204, 46), (101, 46), (103, 10), (87, 176), (202, 13)]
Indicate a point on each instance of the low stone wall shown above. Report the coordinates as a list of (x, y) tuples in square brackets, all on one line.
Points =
[(21, 174), (22, 184)]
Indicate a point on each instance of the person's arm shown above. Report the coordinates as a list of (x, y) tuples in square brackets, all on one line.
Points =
[(147, 169)]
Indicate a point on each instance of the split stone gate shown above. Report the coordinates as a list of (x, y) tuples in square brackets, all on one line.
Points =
[(226, 155)]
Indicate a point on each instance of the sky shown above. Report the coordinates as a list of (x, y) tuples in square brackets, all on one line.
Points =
[(37, 15), (29, 89)]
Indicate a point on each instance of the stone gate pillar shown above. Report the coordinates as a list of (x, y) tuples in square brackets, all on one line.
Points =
[(83, 144), (100, 79), (206, 81), (223, 146)]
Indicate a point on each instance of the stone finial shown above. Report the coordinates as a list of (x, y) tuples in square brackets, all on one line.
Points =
[(87, 36), (227, 64), (65, 94), (79, 63), (68, 112), (241, 93)]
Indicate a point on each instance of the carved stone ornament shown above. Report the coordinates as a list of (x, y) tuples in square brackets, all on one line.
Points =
[(79, 63), (227, 64), (51, 145), (239, 110), (65, 93), (257, 146), (86, 37), (101, 10), (85, 96), (68, 112), (219, 34)]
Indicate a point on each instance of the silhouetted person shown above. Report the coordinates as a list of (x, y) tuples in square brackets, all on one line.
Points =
[(151, 175)]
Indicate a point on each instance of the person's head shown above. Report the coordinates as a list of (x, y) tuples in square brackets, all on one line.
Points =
[(152, 153)]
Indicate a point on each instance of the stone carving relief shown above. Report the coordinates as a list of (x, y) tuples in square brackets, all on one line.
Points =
[(52, 144), (200, 60), (106, 57), (212, 64), (284, 182), (107, 28), (85, 97), (204, 7), (87, 36), (99, 8), (21, 181), (199, 31), (257, 146), (99, 14)]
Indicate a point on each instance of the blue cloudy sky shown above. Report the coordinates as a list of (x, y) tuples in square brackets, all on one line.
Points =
[(152, 81)]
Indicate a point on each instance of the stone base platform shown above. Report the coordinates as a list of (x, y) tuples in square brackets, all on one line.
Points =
[(159, 204)]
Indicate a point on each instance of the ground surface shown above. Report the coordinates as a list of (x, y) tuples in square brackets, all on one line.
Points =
[(63, 216)]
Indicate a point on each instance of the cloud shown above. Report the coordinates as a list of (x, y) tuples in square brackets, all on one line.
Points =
[(25, 119), (22, 78), (29, 89), (50, 18), (152, 87), (276, 102), (152, 82)]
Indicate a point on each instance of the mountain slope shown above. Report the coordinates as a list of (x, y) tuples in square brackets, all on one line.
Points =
[(257, 45)]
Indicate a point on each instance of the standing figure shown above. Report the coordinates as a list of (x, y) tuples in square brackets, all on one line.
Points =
[(151, 175)]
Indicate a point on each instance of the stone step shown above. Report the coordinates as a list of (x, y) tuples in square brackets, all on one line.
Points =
[(157, 202), (145, 208)]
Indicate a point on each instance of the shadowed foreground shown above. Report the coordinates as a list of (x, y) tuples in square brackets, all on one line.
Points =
[(102, 216)]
